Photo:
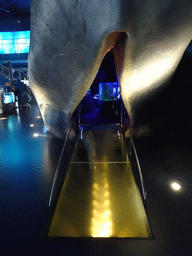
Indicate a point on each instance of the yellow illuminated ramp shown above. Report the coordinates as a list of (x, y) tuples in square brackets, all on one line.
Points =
[(99, 197)]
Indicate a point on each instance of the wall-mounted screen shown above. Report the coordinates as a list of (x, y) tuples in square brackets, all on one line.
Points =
[(14, 42), (9, 97), (109, 91)]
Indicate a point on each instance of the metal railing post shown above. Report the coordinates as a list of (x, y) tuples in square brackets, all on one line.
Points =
[(140, 174)]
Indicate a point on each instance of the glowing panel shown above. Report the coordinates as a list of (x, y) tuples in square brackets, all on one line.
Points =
[(99, 199), (14, 42), (9, 97), (108, 91)]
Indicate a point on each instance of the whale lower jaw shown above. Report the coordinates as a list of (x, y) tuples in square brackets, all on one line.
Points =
[(68, 45)]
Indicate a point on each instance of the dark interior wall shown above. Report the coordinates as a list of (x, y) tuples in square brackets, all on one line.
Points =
[(14, 23), (171, 112), (14, 15)]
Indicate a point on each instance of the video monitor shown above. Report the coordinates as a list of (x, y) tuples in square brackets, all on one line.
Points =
[(9, 97), (14, 42), (109, 91)]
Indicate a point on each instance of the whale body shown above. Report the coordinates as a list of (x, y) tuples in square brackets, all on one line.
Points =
[(69, 39)]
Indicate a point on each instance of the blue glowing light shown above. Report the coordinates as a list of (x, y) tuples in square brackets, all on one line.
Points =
[(9, 98), (14, 42), (109, 91)]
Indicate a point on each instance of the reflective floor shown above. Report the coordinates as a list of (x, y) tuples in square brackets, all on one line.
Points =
[(99, 197), (27, 169)]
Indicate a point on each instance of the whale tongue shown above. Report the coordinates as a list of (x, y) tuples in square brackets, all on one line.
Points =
[(69, 39)]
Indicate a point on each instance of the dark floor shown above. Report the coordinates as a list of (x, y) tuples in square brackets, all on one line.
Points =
[(28, 164)]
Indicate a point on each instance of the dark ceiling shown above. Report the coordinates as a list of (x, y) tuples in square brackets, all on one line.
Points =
[(14, 15)]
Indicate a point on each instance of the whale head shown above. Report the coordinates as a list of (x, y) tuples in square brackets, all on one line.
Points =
[(69, 39)]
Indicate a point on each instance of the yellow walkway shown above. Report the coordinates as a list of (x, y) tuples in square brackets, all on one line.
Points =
[(99, 197)]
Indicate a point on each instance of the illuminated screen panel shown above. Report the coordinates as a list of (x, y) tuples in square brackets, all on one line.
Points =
[(109, 91), (14, 42), (9, 97)]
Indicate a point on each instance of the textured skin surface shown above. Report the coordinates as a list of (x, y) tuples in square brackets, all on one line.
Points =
[(70, 38)]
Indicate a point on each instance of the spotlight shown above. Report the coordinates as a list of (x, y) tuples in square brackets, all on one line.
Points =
[(175, 186), (35, 135)]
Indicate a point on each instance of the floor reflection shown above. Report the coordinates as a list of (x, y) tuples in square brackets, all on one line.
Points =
[(101, 222)]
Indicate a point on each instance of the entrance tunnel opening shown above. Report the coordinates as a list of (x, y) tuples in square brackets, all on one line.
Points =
[(103, 103), (99, 155)]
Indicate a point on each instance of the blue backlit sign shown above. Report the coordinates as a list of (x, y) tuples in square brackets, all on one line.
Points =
[(14, 42)]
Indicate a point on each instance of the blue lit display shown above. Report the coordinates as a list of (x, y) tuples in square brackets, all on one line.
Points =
[(109, 91), (14, 42), (9, 97)]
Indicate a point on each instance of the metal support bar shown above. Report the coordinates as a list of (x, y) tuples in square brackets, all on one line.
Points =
[(4, 67), (58, 166), (140, 174), (10, 75), (79, 115)]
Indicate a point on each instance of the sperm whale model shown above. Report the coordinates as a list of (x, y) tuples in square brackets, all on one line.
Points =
[(69, 39)]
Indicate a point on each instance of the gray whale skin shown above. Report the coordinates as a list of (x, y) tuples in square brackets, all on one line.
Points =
[(69, 39)]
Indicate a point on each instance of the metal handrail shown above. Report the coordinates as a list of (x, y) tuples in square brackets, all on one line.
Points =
[(140, 174), (58, 165), (3, 66), (144, 192), (117, 96)]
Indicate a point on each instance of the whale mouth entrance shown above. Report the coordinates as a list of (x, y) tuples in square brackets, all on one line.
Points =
[(103, 103), (119, 51)]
